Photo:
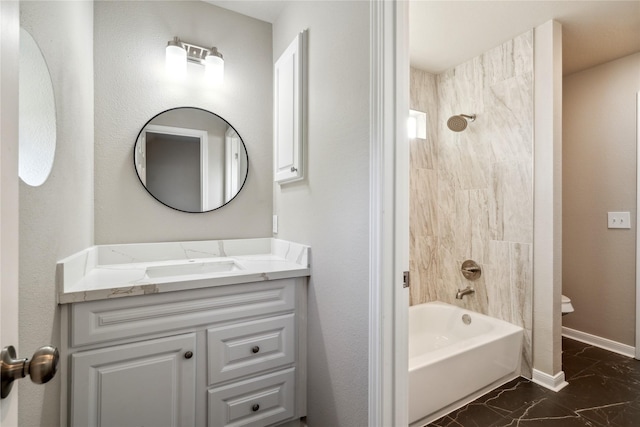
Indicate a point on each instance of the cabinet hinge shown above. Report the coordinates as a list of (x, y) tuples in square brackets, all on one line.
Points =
[(406, 280)]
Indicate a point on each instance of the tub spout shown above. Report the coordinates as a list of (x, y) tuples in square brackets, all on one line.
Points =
[(463, 292)]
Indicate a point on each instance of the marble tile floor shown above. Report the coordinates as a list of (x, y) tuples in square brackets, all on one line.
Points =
[(603, 390)]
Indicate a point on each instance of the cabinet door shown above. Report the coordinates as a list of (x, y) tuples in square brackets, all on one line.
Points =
[(289, 117), (150, 383)]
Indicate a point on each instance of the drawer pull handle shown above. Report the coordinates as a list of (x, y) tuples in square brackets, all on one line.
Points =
[(255, 407), (255, 349), (188, 355)]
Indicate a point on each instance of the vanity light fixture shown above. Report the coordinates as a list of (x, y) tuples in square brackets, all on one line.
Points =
[(178, 53)]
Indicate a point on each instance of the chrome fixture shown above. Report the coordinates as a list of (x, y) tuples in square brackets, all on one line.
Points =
[(471, 270), (463, 292), (42, 367), (459, 123), (178, 53)]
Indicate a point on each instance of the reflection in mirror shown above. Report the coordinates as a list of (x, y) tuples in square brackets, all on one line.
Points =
[(191, 159), (37, 114)]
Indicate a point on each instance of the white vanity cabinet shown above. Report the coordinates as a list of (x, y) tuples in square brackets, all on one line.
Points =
[(219, 356)]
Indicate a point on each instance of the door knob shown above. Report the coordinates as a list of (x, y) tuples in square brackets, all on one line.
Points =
[(41, 368)]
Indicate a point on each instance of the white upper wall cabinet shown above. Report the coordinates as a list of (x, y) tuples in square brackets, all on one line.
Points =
[(289, 112)]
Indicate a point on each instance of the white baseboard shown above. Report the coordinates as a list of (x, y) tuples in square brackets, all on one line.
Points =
[(607, 344), (302, 422), (552, 382)]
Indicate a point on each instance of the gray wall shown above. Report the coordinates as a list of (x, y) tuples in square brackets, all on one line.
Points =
[(329, 209), (599, 175), (56, 219), (131, 87)]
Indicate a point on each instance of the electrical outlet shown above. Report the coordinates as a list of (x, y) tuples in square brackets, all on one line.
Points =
[(619, 220), (275, 224)]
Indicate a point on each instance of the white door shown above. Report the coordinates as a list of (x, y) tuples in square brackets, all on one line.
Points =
[(9, 56)]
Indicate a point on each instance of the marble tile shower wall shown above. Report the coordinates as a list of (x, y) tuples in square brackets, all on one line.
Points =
[(472, 192)]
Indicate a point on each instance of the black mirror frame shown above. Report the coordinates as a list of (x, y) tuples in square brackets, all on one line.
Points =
[(246, 153)]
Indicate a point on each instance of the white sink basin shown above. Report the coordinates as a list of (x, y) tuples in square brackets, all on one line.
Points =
[(207, 267)]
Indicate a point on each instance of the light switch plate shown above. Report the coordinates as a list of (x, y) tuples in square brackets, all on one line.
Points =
[(619, 220)]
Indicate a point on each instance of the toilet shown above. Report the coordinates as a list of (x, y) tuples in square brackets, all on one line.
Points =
[(566, 305)]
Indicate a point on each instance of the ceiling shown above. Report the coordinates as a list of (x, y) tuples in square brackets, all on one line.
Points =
[(446, 33), (264, 10)]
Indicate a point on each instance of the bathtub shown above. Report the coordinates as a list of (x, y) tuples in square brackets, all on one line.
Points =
[(452, 363)]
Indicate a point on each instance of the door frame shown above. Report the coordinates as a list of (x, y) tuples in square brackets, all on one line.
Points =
[(637, 343), (389, 213), (203, 143), (9, 59)]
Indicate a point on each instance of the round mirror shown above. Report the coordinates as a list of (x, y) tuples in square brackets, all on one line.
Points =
[(191, 159), (37, 114)]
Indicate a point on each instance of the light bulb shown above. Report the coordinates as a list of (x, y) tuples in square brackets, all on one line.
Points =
[(176, 59), (214, 66)]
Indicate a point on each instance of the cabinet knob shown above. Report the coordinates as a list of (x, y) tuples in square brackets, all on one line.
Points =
[(255, 407), (188, 355), (255, 349)]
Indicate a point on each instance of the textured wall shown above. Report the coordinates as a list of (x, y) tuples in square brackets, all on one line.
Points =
[(56, 218), (599, 175), (472, 192), (329, 209), (131, 87)]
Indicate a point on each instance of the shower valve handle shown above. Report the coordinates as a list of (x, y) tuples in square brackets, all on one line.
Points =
[(471, 270)]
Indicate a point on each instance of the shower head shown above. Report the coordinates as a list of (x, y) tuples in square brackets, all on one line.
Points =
[(459, 123)]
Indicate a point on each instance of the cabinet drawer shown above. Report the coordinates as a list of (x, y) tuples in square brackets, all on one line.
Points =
[(108, 320), (255, 402), (243, 349)]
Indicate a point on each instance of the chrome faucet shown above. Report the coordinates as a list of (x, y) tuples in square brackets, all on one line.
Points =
[(463, 292)]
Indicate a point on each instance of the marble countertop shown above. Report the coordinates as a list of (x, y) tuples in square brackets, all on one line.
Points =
[(113, 271)]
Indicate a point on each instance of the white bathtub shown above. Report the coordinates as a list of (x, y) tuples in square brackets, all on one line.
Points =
[(452, 363)]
